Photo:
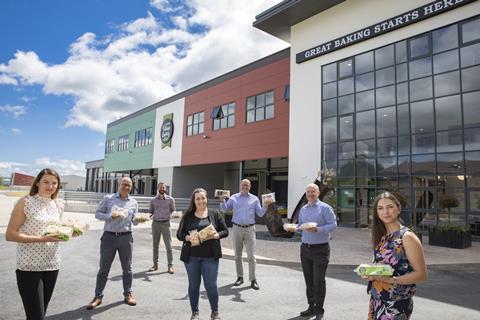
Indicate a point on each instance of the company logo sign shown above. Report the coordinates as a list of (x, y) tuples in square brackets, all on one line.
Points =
[(166, 131), (426, 11)]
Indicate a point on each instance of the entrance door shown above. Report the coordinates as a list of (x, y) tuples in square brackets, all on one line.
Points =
[(364, 206)]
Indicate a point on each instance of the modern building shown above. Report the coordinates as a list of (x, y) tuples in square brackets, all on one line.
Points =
[(209, 136), (386, 94), (383, 94), (18, 179)]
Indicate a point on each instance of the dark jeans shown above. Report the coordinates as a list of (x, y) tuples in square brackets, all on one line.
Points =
[(36, 289), (110, 244), (314, 264), (206, 268)]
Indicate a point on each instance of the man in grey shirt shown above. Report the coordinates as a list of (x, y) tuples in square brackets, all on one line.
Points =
[(161, 207)]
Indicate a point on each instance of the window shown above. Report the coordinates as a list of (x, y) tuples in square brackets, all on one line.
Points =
[(224, 117), (260, 107), (143, 137), (123, 143), (195, 123), (109, 146)]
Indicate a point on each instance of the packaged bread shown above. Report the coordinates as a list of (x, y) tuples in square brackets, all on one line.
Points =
[(222, 193), (374, 270), (62, 232), (142, 217), (290, 227), (268, 198), (119, 212), (207, 233), (308, 225), (194, 239)]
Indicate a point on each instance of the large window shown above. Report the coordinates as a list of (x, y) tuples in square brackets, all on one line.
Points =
[(405, 117), (143, 137), (123, 143), (223, 116), (195, 123), (260, 107), (110, 146)]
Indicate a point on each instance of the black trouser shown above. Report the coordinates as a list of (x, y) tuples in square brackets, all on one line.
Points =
[(36, 289), (314, 264)]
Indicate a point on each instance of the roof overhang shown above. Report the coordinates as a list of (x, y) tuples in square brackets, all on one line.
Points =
[(278, 20)]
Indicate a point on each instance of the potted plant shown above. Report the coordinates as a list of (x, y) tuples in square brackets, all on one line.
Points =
[(448, 234)]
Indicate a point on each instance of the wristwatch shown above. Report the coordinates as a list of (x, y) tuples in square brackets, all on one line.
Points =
[(394, 283)]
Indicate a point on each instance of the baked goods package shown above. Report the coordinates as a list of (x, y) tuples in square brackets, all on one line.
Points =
[(78, 227), (207, 233), (290, 227), (119, 212), (62, 232), (194, 239), (142, 217), (268, 198), (374, 270), (307, 225), (222, 193)]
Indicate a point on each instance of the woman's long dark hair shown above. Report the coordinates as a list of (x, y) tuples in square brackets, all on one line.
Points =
[(34, 186), (378, 227), (191, 206)]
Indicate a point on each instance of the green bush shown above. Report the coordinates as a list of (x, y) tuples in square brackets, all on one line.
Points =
[(452, 227)]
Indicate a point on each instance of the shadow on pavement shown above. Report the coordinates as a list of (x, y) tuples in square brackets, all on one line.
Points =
[(144, 275), (82, 313)]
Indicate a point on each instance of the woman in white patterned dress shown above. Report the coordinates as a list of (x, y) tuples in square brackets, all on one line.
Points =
[(38, 258)]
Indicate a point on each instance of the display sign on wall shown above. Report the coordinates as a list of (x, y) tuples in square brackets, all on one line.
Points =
[(426, 11), (166, 131)]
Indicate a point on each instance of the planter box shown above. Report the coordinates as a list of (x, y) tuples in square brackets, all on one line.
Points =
[(449, 239)]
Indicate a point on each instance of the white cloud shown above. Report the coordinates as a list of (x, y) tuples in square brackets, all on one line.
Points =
[(27, 99), (16, 111), (62, 166), (16, 131), (146, 61)]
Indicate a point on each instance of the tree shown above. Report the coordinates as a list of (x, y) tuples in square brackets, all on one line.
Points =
[(1, 181), (448, 201)]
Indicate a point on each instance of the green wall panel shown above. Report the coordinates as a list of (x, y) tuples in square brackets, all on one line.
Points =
[(133, 158)]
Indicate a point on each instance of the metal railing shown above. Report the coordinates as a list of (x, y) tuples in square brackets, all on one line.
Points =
[(83, 201)]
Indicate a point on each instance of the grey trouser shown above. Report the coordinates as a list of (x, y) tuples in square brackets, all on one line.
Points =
[(160, 229), (110, 244), (244, 236)]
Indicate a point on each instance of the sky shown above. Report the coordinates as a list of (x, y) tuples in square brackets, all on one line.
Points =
[(68, 68)]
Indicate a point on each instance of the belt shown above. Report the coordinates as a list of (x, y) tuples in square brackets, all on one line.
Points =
[(161, 220), (243, 225), (315, 245), (118, 233)]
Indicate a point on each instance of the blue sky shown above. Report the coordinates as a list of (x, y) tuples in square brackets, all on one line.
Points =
[(67, 68)]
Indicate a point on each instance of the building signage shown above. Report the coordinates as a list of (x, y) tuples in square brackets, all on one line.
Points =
[(426, 11), (166, 131)]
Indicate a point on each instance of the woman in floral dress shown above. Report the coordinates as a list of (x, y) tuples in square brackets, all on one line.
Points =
[(399, 247)]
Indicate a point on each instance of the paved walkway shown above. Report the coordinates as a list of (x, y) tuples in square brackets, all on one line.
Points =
[(451, 292)]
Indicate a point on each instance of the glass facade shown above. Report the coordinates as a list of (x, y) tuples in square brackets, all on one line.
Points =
[(406, 118)]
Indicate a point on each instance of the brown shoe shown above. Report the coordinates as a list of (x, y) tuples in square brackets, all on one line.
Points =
[(95, 303), (170, 270), (130, 300), (153, 268)]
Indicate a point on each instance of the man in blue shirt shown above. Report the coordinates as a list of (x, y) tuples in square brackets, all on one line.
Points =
[(118, 211), (244, 205), (315, 250)]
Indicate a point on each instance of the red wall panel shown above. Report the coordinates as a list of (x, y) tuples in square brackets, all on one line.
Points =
[(245, 141)]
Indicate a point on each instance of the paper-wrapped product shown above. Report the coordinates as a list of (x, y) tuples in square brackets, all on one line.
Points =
[(374, 270), (207, 233), (78, 228)]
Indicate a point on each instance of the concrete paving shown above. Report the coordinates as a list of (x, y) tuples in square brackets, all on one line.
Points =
[(451, 292)]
